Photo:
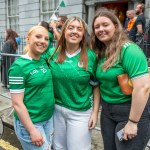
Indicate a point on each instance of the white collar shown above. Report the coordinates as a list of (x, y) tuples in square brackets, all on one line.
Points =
[(73, 54), (26, 56)]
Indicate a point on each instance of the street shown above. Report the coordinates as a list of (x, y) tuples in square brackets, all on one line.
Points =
[(9, 140)]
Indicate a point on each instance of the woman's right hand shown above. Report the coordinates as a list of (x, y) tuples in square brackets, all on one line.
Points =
[(130, 130), (36, 137)]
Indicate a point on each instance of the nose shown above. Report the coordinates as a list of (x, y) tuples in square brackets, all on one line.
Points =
[(101, 28), (74, 30)]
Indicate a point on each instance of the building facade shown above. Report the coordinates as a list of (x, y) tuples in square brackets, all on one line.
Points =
[(20, 15)]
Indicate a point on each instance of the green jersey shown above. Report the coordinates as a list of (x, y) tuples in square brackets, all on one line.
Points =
[(33, 77), (133, 62), (73, 83)]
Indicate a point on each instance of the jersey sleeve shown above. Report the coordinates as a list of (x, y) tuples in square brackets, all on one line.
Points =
[(92, 66), (16, 79), (48, 54), (134, 61), (139, 21)]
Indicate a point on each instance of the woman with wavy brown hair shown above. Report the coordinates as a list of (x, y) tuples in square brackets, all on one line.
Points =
[(125, 118), (10, 46), (73, 68)]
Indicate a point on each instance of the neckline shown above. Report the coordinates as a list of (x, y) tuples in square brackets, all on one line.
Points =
[(73, 54)]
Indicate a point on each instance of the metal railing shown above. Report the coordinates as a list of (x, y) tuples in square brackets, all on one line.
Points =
[(21, 45), (6, 61)]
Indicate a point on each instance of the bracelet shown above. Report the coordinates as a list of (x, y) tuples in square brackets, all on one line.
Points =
[(133, 121)]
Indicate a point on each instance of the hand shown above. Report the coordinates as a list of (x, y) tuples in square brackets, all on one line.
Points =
[(36, 138), (53, 24), (130, 130), (93, 120)]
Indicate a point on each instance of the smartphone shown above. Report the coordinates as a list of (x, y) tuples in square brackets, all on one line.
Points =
[(120, 135)]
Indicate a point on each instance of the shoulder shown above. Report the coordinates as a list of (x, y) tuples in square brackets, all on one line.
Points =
[(140, 18), (21, 62), (51, 51), (91, 53), (132, 50), (8, 43)]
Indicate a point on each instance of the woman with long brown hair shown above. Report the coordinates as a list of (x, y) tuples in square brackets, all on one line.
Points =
[(73, 68), (10, 46), (125, 117)]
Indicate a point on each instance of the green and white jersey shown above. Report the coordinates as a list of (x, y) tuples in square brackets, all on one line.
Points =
[(33, 77), (73, 83), (133, 62)]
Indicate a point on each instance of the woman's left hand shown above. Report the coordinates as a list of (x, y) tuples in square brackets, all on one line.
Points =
[(93, 120), (130, 130)]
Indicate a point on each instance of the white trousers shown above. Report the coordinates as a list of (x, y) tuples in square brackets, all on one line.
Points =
[(71, 129)]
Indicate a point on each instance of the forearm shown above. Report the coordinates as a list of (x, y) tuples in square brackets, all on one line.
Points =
[(96, 94), (56, 34), (139, 101), (24, 117)]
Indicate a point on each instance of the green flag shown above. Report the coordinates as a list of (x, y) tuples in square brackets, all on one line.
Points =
[(62, 4)]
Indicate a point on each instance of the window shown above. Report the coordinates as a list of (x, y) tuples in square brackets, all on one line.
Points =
[(13, 14), (48, 7)]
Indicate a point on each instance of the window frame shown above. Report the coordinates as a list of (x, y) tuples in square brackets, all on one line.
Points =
[(15, 6)]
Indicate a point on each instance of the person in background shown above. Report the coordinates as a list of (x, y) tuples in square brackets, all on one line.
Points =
[(139, 26), (10, 47), (132, 20), (33, 98), (76, 90), (128, 113), (127, 19), (51, 37), (57, 26)]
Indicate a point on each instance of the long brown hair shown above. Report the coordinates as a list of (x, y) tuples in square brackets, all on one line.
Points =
[(11, 36), (112, 50), (61, 47)]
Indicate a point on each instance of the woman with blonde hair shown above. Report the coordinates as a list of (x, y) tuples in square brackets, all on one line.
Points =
[(73, 68), (125, 118), (33, 98)]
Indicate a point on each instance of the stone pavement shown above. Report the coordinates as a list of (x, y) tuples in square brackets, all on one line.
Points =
[(6, 106)]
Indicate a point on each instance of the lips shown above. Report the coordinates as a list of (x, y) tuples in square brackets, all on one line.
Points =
[(41, 46)]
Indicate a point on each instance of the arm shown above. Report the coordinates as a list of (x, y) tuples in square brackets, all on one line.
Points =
[(139, 29), (94, 115), (55, 32), (139, 99), (17, 101)]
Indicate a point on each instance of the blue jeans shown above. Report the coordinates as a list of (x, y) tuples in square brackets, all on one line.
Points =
[(114, 117), (45, 128)]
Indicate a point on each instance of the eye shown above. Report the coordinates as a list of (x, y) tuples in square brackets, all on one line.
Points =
[(96, 27), (70, 27), (46, 39), (105, 25), (38, 36), (79, 29)]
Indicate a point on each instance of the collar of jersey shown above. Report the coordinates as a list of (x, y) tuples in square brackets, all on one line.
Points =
[(26, 57), (74, 54)]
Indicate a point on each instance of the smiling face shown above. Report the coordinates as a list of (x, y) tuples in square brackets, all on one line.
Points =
[(74, 33), (104, 29), (37, 41)]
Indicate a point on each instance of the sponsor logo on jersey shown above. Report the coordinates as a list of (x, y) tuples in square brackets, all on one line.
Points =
[(42, 68), (80, 64)]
